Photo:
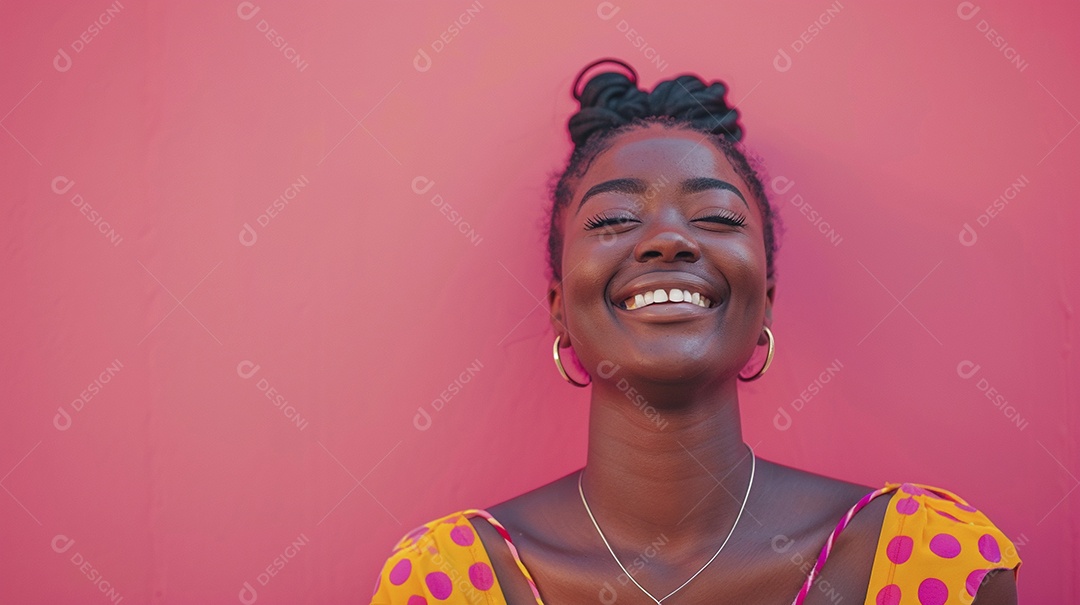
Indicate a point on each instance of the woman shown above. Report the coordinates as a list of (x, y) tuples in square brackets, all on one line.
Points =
[(661, 254)]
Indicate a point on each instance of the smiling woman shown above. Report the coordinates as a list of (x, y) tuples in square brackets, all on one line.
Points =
[(662, 281)]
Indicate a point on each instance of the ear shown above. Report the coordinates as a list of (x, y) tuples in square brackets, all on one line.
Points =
[(770, 294), (555, 308)]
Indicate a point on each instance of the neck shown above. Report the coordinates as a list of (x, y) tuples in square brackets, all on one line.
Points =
[(664, 463)]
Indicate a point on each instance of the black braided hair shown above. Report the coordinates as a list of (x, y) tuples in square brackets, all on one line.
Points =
[(612, 104)]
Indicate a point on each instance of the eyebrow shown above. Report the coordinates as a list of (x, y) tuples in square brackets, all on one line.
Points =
[(638, 187)]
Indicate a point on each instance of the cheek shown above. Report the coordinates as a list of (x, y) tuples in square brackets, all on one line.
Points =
[(588, 265), (752, 245), (748, 261), (743, 265)]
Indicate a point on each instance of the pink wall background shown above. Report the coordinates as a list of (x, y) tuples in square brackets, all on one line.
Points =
[(360, 300)]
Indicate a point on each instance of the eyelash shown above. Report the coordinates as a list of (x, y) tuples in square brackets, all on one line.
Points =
[(725, 217), (603, 220)]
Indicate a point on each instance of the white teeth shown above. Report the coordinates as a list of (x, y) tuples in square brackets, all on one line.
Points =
[(675, 295)]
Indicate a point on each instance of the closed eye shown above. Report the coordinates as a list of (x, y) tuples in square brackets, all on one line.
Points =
[(605, 220), (724, 218)]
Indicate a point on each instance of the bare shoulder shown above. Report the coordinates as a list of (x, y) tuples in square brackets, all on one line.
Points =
[(537, 512), (997, 588), (816, 504), (531, 520), (819, 502)]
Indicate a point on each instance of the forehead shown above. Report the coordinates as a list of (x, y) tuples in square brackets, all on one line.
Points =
[(655, 153)]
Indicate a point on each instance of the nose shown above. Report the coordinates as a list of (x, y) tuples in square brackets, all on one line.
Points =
[(668, 241)]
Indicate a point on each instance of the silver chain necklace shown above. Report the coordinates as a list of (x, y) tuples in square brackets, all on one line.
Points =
[(753, 466)]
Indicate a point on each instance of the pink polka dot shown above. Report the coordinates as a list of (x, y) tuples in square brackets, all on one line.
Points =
[(899, 549), (416, 533), (452, 519), (948, 516), (989, 549), (481, 576), (945, 546), (462, 535), (907, 506), (915, 490), (932, 591), (417, 600), (400, 572), (889, 595), (439, 584), (974, 580)]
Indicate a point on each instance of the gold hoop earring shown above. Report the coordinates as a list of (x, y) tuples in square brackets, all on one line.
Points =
[(768, 356), (562, 370)]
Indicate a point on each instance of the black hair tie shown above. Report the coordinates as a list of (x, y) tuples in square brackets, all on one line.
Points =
[(574, 90)]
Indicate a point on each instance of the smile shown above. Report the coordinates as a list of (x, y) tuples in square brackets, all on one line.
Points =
[(666, 296)]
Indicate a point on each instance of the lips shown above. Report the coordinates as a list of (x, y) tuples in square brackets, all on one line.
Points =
[(666, 288)]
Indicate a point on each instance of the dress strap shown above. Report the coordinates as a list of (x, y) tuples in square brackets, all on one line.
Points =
[(825, 550), (510, 544)]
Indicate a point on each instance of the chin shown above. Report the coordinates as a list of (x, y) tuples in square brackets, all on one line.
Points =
[(671, 369)]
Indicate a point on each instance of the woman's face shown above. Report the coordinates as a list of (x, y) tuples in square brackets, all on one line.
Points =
[(662, 210)]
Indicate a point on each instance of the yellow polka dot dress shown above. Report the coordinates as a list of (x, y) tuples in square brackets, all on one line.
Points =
[(934, 549)]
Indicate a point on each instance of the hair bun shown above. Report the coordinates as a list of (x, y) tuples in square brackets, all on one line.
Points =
[(611, 99), (703, 105)]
